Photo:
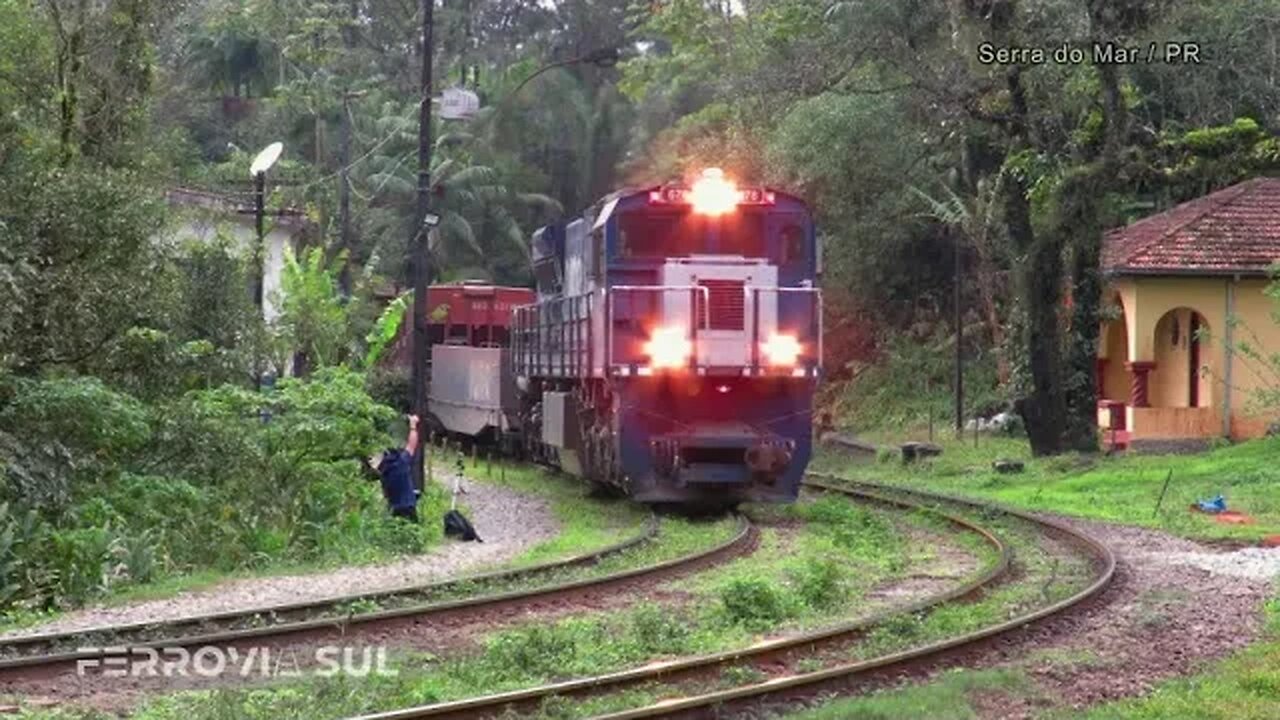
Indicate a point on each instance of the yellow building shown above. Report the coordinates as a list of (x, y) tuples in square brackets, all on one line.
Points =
[(1170, 365)]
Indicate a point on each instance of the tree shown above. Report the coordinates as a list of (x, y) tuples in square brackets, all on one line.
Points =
[(314, 316)]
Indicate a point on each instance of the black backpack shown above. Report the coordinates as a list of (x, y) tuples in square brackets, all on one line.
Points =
[(457, 525)]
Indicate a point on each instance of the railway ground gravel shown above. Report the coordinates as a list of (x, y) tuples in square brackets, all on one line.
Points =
[(1167, 613), (1174, 607), (510, 522)]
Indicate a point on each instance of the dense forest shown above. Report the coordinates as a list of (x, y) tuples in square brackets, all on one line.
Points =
[(130, 440)]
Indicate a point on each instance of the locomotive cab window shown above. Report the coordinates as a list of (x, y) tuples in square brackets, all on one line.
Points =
[(652, 235)]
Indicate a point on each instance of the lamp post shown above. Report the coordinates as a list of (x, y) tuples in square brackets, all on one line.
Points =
[(603, 57), (258, 171), (958, 321)]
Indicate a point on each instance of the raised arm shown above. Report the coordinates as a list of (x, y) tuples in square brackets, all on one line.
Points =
[(411, 445)]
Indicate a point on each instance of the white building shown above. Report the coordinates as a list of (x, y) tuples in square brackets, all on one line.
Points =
[(202, 214)]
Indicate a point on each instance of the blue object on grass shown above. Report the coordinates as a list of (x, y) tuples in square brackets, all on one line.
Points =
[(1214, 506)]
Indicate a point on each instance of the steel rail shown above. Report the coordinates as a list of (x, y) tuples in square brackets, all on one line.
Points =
[(698, 705), (742, 536), (524, 700), (276, 610)]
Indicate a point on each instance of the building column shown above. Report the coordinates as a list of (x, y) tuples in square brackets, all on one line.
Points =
[(1099, 378), (1138, 383)]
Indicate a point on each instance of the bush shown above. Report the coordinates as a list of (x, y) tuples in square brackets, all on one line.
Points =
[(820, 582), (105, 490), (657, 631), (392, 387), (538, 651), (754, 602), (911, 381), (57, 431)]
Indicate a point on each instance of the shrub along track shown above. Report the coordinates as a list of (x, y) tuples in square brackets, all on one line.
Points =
[(44, 655), (523, 703), (770, 656)]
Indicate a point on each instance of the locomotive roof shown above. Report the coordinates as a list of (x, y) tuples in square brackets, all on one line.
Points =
[(602, 210)]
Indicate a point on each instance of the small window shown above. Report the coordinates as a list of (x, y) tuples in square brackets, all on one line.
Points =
[(793, 244), (597, 254)]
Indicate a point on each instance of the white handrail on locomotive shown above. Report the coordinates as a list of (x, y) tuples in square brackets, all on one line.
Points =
[(753, 294), (693, 327), (538, 322)]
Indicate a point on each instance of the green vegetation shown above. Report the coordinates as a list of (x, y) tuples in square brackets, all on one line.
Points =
[(196, 483), (1123, 488), (134, 456), (948, 698), (715, 613), (1245, 687)]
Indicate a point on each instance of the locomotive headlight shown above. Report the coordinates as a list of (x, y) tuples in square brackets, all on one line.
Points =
[(781, 350), (668, 347), (713, 195)]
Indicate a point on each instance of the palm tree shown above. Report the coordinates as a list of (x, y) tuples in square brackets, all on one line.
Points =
[(480, 210), (229, 54)]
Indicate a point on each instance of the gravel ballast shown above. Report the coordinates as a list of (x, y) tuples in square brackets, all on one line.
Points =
[(508, 521), (1249, 563), (1173, 606)]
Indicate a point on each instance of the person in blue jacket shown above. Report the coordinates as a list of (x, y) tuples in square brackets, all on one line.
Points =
[(395, 468)]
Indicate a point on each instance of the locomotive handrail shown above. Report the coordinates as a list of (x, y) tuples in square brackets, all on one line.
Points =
[(693, 326), (565, 318), (753, 294)]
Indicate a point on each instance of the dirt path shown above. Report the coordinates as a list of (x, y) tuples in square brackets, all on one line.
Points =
[(509, 522), (1170, 609)]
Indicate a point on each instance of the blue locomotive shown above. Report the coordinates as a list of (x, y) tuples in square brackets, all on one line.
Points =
[(675, 345)]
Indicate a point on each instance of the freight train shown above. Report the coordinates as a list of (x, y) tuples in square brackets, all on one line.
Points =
[(670, 350)]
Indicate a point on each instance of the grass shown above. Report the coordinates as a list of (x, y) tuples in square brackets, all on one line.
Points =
[(804, 578), (1244, 687), (948, 698), (1123, 488), (585, 525)]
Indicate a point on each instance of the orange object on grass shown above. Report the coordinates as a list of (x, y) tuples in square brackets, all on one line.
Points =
[(1231, 517)]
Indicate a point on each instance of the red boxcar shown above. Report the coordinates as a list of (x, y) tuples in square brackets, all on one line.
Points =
[(466, 313)]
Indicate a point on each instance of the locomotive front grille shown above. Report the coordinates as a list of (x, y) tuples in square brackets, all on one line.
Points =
[(726, 305)]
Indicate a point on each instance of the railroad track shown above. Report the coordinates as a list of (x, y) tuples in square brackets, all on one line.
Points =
[(43, 653), (523, 702)]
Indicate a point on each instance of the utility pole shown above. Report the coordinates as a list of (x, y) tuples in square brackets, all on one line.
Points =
[(418, 242), (959, 329), (344, 196), (344, 157)]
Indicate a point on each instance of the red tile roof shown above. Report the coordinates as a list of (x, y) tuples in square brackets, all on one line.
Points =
[(1235, 230)]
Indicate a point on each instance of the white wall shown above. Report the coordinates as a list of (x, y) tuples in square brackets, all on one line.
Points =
[(245, 235)]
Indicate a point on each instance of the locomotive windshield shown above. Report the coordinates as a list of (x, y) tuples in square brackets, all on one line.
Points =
[(648, 234)]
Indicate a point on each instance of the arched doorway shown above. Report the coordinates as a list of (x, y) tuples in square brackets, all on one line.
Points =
[(1179, 348)]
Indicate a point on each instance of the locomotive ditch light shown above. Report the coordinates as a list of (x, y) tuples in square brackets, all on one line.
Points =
[(668, 347), (781, 350)]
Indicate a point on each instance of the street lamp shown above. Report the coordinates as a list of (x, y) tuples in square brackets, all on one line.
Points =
[(258, 171), (603, 57)]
